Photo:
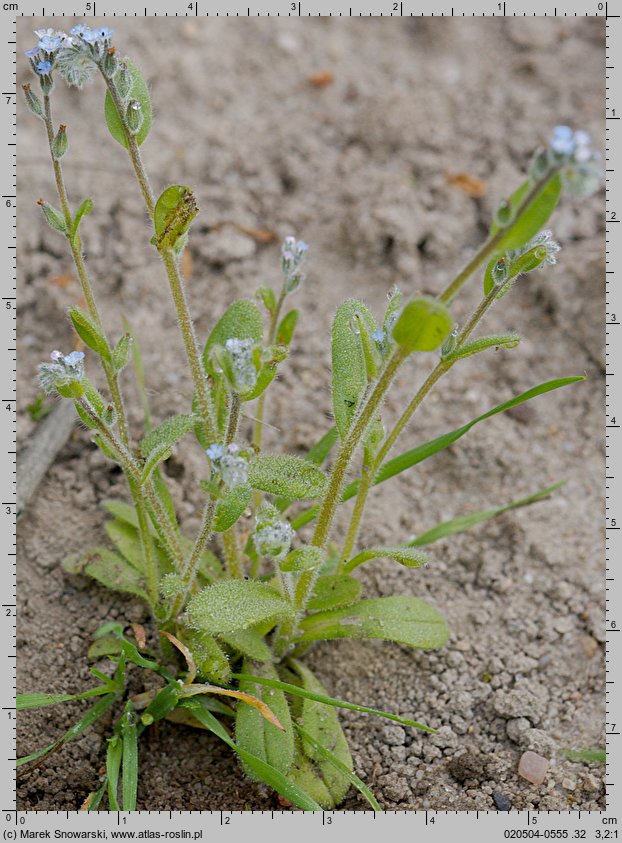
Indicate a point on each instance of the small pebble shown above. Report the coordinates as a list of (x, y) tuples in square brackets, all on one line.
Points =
[(533, 767), (503, 802), (569, 784)]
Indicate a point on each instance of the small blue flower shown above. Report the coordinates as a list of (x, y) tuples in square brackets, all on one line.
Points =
[(45, 33), (97, 36), (43, 67), (33, 53), (74, 359), (379, 336), (563, 140), (215, 452), (79, 29), (51, 43)]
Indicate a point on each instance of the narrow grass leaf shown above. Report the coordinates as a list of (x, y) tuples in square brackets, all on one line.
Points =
[(114, 754), (323, 698), (266, 772), (129, 784), (465, 522), (339, 766)]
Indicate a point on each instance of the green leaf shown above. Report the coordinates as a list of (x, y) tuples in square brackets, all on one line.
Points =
[(159, 453), (287, 326), (535, 216), (405, 619), (326, 700), (231, 507), (108, 568), (483, 344), (303, 558), (127, 540), (166, 434), (428, 449), (124, 512), (254, 733), (265, 376), (334, 590), (161, 705), (139, 92), (423, 325), (325, 782), (332, 759), (286, 475), (349, 372), (249, 643), (230, 605), (89, 332), (172, 216), (23, 702), (266, 294), (107, 646), (241, 320), (84, 210), (212, 663), (407, 556), (129, 785), (122, 352), (114, 754), (465, 522), (586, 755), (317, 454), (91, 716), (264, 771)]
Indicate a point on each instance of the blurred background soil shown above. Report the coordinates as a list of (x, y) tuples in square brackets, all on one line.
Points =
[(385, 144)]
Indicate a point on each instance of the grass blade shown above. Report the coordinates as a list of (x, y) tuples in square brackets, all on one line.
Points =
[(23, 702), (332, 759), (129, 784), (269, 774), (114, 754), (428, 449), (322, 698), (465, 522), (81, 726), (586, 755)]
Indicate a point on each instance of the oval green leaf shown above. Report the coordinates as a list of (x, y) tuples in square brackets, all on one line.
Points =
[(281, 474), (349, 370), (139, 92), (230, 605), (423, 325)]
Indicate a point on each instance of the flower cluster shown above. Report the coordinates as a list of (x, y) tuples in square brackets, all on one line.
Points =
[(239, 363), (541, 249), (572, 154), (272, 537), (293, 254), (76, 55), (230, 462), (62, 371)]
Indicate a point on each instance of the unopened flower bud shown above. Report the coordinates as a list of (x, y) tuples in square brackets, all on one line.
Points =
[(272, 537), (33, 102), (109, 63), (504, 215), (53, 217), (59, 144), (123, 81), (134, 116), (500, 272), (540, 164)]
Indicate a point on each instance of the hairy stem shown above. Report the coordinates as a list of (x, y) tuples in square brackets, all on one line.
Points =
[(146, 540), (368, 475), (487, 249), (175, 280), (189, 567), (328, 506)]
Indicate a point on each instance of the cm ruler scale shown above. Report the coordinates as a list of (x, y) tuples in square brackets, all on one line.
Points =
[(438, 825)]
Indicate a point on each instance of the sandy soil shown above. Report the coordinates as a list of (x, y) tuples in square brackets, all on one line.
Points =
[(363, 169)]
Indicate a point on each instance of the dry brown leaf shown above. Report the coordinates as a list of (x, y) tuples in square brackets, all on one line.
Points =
[(472, 186), (261, 235), (321, 79), (265, 711), (140, 635)]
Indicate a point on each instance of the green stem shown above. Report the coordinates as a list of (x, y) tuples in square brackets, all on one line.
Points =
[(272, 328), (133, 473), (146, 541), (368, 476), (230, 536), (487, 249), (175, 280), (328, 506), (188, 569), (357, 513)]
